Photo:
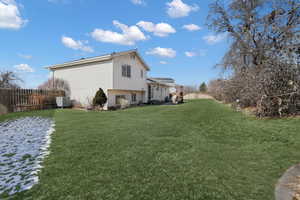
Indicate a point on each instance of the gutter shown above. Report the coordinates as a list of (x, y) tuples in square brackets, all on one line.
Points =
[(79, 62)]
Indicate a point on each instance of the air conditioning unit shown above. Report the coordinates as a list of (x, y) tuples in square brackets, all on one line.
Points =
[(63, 102)]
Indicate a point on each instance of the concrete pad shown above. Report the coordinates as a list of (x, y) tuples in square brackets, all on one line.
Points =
[(288, 186)]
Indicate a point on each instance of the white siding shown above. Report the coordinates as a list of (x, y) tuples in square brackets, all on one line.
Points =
[(136, 81), (85, 80)]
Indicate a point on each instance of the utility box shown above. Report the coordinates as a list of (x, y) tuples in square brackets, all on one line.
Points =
[(63, 102)]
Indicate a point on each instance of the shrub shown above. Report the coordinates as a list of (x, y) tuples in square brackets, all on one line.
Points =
[(3, 109), (100, 98), (215, 89)]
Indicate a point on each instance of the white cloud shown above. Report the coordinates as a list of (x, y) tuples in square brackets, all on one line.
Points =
[(163, 62), (76, 45), (129, 36), (160, 29), (10, 17), (138, 2), (192, 27), (177, 9), (24, 68), (213, 39), (163, 52), (28, 57), (190, 54)]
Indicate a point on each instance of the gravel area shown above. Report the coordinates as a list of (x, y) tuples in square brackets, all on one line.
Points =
[(23, 146)]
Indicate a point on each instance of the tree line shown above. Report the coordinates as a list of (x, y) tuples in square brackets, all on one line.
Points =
[(263, 57)]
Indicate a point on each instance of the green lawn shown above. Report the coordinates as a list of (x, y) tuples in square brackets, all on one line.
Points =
[(198, 150)]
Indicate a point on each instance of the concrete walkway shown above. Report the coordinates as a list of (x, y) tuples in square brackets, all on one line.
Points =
[(288, 186)]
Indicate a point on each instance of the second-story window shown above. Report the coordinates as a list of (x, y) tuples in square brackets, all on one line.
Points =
[(142, 73), (126, 71)]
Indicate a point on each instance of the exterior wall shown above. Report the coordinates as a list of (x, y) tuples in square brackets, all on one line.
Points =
[(135, 82), (85, 80), (159, 92)]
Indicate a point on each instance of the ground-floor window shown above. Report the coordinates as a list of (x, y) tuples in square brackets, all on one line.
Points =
[(119, 98), (152, 92), (133, 97)]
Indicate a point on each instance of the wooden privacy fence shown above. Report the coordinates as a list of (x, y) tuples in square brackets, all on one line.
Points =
[(16, 100)]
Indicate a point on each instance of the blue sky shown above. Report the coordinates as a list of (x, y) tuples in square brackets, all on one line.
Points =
[(170, 35)]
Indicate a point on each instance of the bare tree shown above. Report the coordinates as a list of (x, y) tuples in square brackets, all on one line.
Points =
[(216, 89), (264, 55), (56, 84), (190, 89), (9, 79)]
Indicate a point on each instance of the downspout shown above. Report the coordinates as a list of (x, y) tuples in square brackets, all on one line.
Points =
[(53, 85)]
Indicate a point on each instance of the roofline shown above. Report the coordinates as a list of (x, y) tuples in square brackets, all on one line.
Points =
[(161, 78), (157, 82), (142, 60), (103, 58)]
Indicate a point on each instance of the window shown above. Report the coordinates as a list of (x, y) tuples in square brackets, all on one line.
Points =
[(133, 97), (132, 57), (119, 98), (142, 73), (126, 71), (152, 92)]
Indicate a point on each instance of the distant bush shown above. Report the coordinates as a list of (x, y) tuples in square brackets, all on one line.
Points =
[(190, 89), (203, 87), (56, 84)]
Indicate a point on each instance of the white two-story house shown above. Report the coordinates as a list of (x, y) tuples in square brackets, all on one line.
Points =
[(121, 75)]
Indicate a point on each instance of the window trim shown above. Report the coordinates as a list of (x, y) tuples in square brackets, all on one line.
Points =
[(133, 97), (126, 71), (119, 96)]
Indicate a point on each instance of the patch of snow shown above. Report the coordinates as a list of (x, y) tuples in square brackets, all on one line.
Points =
[(24, 144)]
